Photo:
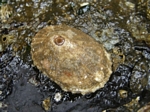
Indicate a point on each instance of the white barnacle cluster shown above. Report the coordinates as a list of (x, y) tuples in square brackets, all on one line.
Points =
[(137, 27), (57, 97), (109, 38)]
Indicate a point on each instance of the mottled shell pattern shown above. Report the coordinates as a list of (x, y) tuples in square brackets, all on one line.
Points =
[(71, 58)]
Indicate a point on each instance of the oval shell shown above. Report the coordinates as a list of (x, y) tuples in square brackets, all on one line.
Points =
[(71, 58)]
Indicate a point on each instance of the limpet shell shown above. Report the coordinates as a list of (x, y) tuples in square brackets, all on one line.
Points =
[(71, 58)]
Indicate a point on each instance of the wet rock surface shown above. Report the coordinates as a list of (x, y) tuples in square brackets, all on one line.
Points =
[(114, 24)]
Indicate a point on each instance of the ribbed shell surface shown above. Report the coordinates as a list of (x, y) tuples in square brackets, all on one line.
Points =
[(71, 58)]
